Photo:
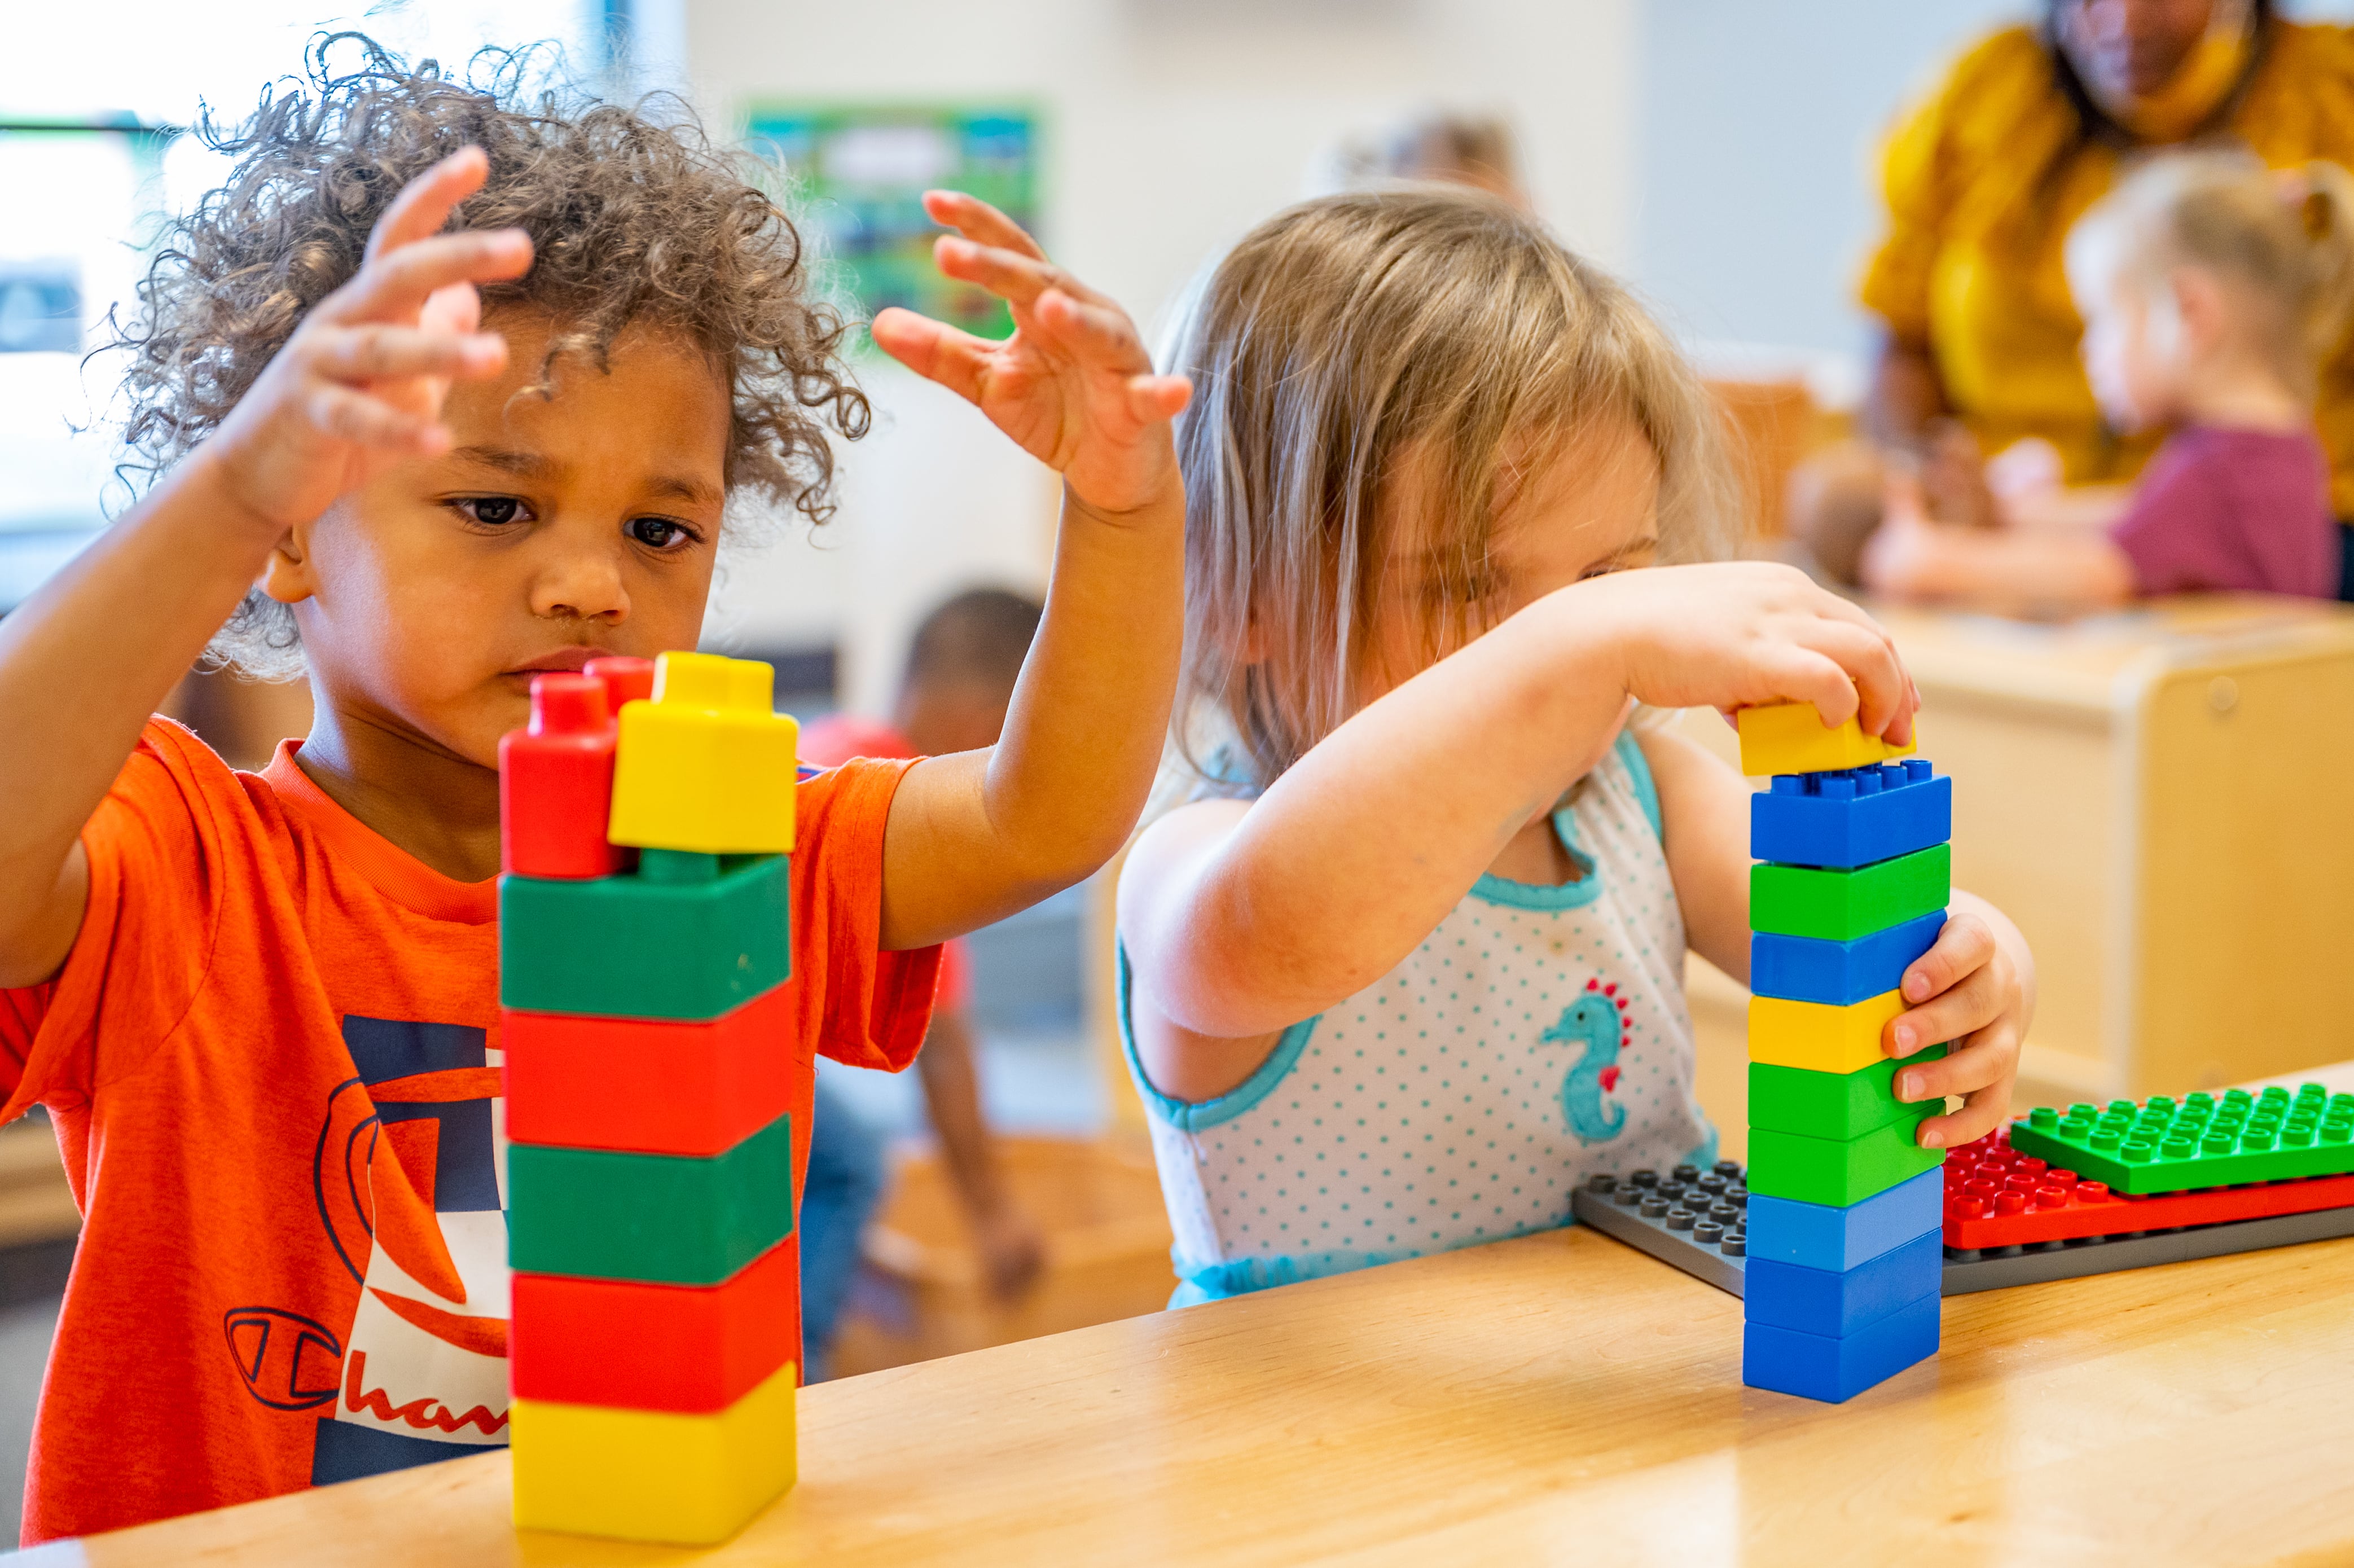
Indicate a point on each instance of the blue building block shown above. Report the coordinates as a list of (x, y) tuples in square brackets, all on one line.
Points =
[(1816, 1235), (1851, 818), (1835, 1370), (1812, 969), (1821, 1302)]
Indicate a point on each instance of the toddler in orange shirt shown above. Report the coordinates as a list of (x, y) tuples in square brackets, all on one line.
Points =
[(447, 389)]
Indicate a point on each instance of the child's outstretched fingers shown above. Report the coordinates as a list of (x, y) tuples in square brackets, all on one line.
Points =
[(360, 383), (1073, 387)]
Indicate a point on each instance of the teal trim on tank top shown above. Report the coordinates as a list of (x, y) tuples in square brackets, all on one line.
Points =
[(1200, 1282), (1192, 1115), (1493, 889)]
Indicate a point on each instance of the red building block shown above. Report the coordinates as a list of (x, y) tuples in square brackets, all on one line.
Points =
[(1997, 1197), (620, 1344), (555, 783), (655, 1086), (626, 680)]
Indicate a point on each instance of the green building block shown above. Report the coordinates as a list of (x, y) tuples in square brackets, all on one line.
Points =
[(1832, 1105), (1842, 1171), (684, 936), (1840, 905), (667, 1218), (2163, 1146)]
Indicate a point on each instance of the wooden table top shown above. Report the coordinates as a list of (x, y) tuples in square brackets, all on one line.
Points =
[(2096, 663), (1560, 1396)]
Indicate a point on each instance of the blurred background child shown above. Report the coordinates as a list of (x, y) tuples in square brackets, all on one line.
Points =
[(2210, 288), (1439, 146), (959, 681)]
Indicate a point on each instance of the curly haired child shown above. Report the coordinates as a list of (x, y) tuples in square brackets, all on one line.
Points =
[(1408, 962), (446, 389)]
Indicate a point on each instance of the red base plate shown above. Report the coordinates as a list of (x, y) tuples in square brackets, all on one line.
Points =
[(1996, 1197)]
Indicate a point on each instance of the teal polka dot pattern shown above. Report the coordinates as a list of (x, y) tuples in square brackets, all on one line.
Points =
[(1443, 1106)]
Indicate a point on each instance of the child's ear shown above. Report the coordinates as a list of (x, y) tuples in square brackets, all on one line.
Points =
[(286, 575), (2200, 309)]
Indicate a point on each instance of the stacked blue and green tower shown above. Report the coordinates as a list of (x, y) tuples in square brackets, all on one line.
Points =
[(1845, 1250)]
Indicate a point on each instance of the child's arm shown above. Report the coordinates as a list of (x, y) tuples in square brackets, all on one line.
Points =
[(2070, 509), (976, 836), (1975, 987), (88, 658), (2012, 571), (1011, 1250), (1241, 920)]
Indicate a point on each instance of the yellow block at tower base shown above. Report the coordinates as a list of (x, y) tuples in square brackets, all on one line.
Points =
[(1817, 1036), (1790, 737), (652, 1475), (707, 765)]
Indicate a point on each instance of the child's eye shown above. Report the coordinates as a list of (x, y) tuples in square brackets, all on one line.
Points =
[(658, 533), (492, 511)]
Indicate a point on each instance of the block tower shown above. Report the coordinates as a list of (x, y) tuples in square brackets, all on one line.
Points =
[(1845, 1254), (655, 1091)]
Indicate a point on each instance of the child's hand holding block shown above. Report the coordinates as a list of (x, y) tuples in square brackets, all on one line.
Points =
[(1791, 737)]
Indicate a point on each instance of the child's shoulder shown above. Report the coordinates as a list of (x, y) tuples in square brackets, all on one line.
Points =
[(2237, 467), (847, 803)]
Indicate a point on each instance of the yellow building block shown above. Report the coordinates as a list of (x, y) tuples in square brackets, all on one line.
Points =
[(1790, 737), (706, 765), (1817, 1036), (652, 1475)]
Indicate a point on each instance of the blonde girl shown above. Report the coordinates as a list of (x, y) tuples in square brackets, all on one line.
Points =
[(1407, 962), (2211, 290)]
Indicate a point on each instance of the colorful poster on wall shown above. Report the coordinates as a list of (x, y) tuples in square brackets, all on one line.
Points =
[(862, 171)]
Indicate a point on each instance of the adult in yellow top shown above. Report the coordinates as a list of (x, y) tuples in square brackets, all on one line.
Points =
[(1984, 178)]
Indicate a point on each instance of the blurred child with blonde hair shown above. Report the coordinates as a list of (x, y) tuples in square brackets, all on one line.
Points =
[(2210, 288), (1407, 962)]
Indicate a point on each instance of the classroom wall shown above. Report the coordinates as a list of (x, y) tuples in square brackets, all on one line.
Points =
[(1171, 127), (1718, 152), (1754, 145), (1754, 181)]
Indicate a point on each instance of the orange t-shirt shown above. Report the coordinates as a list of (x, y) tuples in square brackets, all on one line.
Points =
[(272, 1061), (838, 738)]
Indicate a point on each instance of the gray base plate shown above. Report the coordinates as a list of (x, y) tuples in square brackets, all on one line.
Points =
[(1992, 1270), (2067, 1260), (1653, 1237)]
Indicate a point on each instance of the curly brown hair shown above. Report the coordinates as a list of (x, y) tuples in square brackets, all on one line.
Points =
[(631, 218)]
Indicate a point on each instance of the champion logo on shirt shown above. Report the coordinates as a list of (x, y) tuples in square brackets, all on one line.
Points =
[(408, 1182)]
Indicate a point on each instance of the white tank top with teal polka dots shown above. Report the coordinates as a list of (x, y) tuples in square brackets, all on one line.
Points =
[(1537, 1036)]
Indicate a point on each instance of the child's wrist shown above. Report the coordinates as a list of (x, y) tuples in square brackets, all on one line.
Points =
[(1164, 501), (1587, 633), (205, 480)]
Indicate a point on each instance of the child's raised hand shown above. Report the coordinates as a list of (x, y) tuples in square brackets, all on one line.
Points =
[(1746, 633), (1972, 990), (1073, 385), (360, 384)]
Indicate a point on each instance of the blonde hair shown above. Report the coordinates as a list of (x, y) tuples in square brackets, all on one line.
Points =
[(2284, 242), (1336, 340)]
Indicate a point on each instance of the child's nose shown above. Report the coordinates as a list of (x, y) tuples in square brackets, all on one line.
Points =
[(586, 585)]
